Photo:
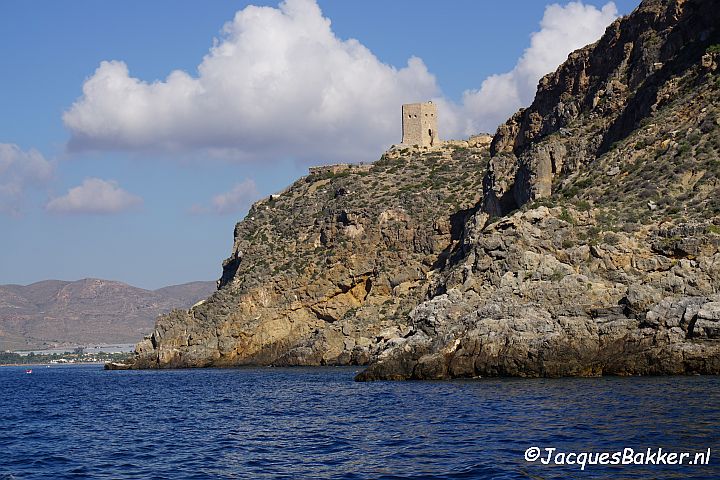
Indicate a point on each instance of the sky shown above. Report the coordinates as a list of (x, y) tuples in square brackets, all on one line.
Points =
[(135, 134)]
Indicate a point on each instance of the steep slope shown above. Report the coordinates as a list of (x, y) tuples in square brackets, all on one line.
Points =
[(597, 249), (326, 271), (53, 312), (627, 120)]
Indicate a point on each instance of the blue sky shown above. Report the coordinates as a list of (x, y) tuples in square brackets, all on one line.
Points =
[(141, 177)]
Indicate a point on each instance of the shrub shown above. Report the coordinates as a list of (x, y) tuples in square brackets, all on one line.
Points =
[(584, 183), (583, 206), (566, 217), (611, 239), (571, 192), (557, 275), (683, 148)]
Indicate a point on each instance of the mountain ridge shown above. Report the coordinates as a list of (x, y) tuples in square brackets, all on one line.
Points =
[(52, 313)]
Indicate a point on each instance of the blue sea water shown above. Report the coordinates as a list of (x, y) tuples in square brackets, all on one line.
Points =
[(303, 423)]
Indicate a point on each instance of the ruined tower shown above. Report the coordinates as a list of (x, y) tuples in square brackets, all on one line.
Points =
[(419, 124)]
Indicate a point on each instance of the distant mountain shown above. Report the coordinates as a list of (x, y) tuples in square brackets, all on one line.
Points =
[(56, 313), (188, 293)]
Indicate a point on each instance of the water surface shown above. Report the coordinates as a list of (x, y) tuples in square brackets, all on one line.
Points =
[(258, 423)]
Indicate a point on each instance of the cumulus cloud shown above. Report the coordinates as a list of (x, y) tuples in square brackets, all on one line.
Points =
[(563, 29), (238, 199), (279, 83), (20, 170), (95, 195)]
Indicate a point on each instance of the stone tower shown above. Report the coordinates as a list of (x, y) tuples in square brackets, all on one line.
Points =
[(419, 124)]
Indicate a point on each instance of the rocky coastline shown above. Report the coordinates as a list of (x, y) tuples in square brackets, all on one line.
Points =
[(583, 241)]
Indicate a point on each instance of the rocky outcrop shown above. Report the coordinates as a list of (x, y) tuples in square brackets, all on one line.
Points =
[(543, 293), (528, 342), (599, 96), (326, 271), (620, 275)]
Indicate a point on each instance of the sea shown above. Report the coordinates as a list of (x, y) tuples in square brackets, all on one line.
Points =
[(81, 421)]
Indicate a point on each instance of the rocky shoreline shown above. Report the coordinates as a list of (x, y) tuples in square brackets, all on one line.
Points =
[(584, 241), (555, 311)]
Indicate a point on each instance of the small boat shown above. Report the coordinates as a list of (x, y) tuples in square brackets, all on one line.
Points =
[(29, 370)]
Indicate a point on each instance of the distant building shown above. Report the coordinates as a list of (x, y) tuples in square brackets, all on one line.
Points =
[(419, 124)]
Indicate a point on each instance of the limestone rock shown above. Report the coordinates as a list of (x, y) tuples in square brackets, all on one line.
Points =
[(540, 309), (598, 97), (325, 272)]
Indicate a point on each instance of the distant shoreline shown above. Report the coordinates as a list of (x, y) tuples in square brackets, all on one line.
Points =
[(91, 348), (49, 364)]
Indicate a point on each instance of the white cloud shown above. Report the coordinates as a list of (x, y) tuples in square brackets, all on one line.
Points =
[(95, 195), (238, 199), (563, 29), (279, 83), (20, 170)]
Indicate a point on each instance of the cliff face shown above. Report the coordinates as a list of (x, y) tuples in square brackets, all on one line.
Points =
[(597, 250), (552, 292), (649, 68), (327, 271)]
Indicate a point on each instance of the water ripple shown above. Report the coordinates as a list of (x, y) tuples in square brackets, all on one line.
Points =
[(260, 423)]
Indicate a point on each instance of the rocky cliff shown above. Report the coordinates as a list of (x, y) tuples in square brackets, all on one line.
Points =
[(584, 241), (554, 292), (327, 271), (596, 250), (601, 126)]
